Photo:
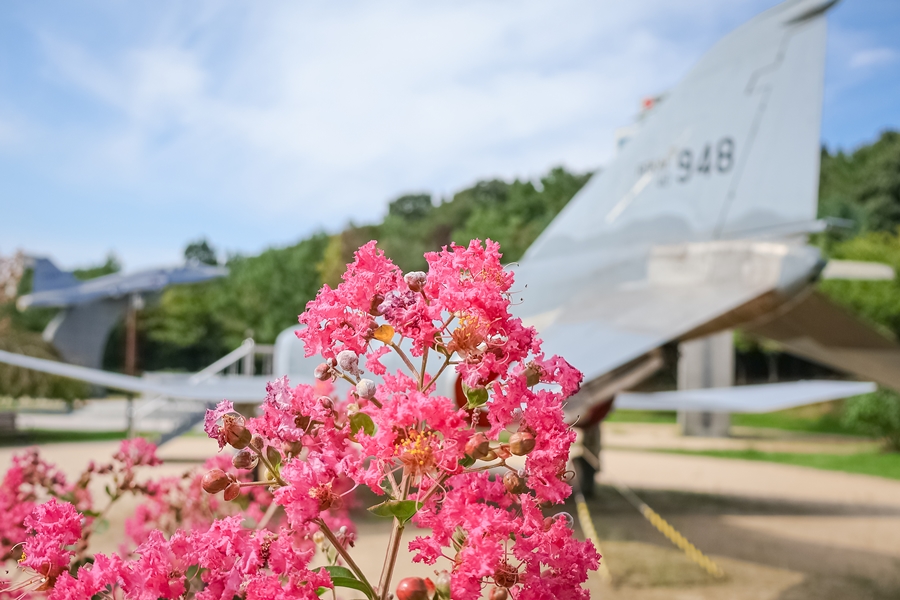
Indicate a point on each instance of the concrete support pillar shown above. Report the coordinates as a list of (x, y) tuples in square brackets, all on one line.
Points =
[(706, 363)]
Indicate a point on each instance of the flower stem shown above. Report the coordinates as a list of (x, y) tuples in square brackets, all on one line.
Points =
[(438, 374), (344, 554), (269, 466), (424, 366), (390, 559), (405, 358), (258, 483)]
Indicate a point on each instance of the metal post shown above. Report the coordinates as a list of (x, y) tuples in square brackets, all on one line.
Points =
[(135, 303), (706, 363), (248, 361), (129, 416)]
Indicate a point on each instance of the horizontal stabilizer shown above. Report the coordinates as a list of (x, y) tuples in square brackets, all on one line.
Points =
[(746, 398), (236, 389), (858, 270), (817, 329)]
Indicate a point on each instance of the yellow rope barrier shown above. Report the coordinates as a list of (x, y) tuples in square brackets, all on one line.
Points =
[(671, 533), (587, 526), (663, 526)]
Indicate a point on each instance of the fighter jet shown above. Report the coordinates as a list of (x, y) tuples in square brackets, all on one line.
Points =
[(698, 225), (92, 308)]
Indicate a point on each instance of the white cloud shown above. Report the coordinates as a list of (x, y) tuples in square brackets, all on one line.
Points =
[(311, 114), (873, 57)]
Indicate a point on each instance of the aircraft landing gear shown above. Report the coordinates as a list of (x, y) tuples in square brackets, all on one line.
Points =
[(588, 464)]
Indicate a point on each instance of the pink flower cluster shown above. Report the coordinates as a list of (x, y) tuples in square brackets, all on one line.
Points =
[(479, 493)]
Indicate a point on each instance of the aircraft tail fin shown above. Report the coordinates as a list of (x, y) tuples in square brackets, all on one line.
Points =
[(731, 150), (47, 276)]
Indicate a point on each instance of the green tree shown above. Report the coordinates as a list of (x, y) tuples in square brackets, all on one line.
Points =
[(876, 414), (202, 252), (862, 186)]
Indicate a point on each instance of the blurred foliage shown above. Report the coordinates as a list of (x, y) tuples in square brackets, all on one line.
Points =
[(18, 382), (875, 301), (201, 252), (108, 267), (191, 326), (878, 415), (862, 186)]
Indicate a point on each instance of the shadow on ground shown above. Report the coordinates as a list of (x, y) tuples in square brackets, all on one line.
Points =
[(638, 556)]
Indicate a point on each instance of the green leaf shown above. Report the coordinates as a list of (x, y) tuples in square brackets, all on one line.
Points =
[(475, 396), (336, 571), (100, 525), (362, 421), (402, 509), (344, 577)]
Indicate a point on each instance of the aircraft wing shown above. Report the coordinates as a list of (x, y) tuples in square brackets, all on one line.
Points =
[(675, 290), (236, 389), (746, 398), (815, 328), (118, 285)]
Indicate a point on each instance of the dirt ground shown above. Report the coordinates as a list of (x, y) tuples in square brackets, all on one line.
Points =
[(780, 532)]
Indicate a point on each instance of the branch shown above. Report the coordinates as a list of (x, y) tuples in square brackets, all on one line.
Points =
[(404, 357), (390, 558), (344, 554)]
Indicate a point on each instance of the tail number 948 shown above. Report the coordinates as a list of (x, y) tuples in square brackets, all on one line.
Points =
[(718, 157)]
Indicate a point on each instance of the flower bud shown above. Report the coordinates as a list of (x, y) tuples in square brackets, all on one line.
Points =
[(273, 455), (533, 373), (412, 588), (506, 575), (323, 372), (236, 435), (499, 593), (232, 491), (348, 361), (442, 585), (215, 481), (318, 538), (291, 448), (302, 421), (352, 409), (327, 403), (415, 280), (514, 484), (244, 460), (365, 388), (521, 443), (478, 446), (257, 442), (374, 309)]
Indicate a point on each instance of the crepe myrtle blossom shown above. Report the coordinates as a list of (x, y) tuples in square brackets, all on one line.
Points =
[(479, 478)]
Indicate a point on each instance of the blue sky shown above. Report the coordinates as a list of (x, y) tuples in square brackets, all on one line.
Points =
[(136, 126)]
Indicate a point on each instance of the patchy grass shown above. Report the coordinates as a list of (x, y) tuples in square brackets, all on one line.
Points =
[(790, 421), (819, 418), (642, 416), (30, 437), (886, 464)]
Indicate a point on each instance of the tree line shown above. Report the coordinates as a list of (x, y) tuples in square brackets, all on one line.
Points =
[(191, 326)]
